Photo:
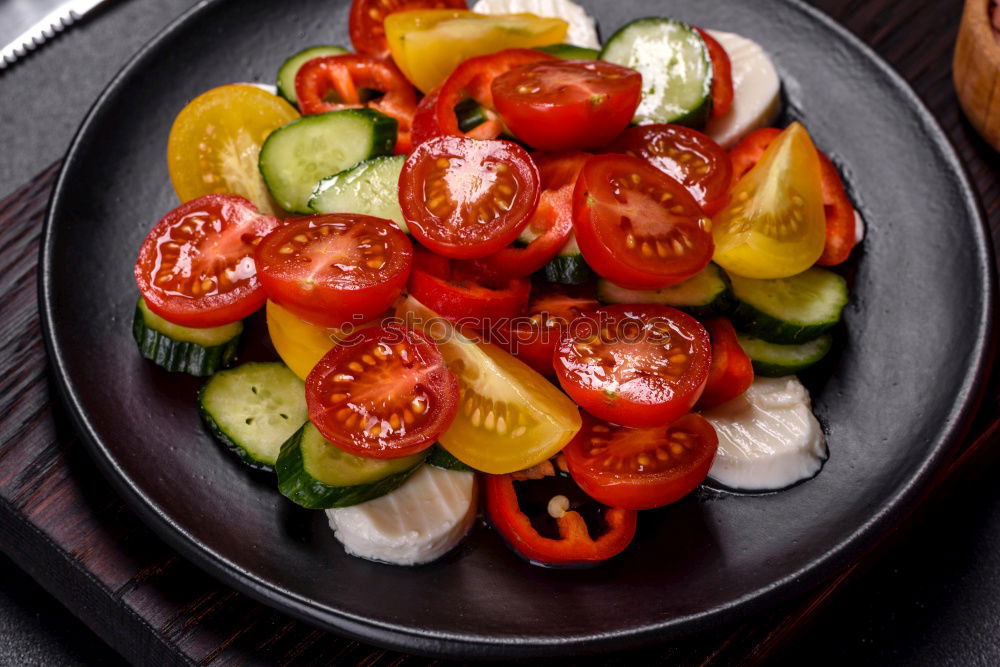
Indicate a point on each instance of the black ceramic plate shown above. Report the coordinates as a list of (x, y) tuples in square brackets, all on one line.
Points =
[(893, 401)]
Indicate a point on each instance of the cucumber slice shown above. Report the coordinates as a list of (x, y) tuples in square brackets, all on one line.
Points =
[(442, 458), (773, 360), (675, 66), (568, 270), (570, 52), (368, 188), (789, 310), (289, 68), (295, 157), (316, 475), (179, 349), (470, 114), (253, 409), (704, 295)]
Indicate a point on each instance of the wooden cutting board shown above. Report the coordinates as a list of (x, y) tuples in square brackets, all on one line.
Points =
[(60, 521)]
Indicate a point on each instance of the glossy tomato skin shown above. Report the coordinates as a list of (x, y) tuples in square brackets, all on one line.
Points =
[(639, 366), (567, 104), (641, 469), (335, 270), (636, 226), (464, 198), (552, 221), (689, 157), (196, 267), (732, 371), (383, 393), (367, 21), (346, 75), (722, 75)]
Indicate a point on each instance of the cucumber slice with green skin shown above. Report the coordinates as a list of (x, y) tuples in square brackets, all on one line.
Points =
[(705, 295), (178, 349), (570, 52), (294, 158), (254, 409), (568, 270), (369, 188), (789, 310), (675, 66), (289, 68), (470, 114), (773, 360), (316, 475), (442, 458)]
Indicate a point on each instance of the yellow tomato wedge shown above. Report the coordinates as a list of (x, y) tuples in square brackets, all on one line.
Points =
[(510, 417), (215, 141), (428, 44), (774, 225), (299, 344)]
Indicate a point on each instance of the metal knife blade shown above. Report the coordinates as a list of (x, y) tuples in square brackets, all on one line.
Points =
[(46, 28)]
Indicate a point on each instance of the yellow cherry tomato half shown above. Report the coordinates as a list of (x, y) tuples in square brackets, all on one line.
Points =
[(215, 141), (428, 44), (510, 417), (299, 344), (774, 225)]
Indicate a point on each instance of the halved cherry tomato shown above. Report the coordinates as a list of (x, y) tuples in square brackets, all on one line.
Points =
[(473, 79), (196, 266), (573, 541), (464, 198), (567, 104), (465, 298), (215, 141), (551, 225), (636, 226), (534, 337), (641, 468), (334, 270), (367, 21), (346, 76), (841, 234), (637, 366), (384, 393), (688, 156), (732, 370), (722, 75), (774, 225)]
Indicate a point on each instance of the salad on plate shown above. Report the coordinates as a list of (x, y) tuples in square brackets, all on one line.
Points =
[(508, 269)]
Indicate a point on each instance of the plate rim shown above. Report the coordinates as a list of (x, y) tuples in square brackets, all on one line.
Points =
[(470, 645)]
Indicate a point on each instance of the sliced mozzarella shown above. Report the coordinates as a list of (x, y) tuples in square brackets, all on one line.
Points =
[(756, 90), (582, 26), (417, 523), (768, 438), (266, 87), (859, 227)]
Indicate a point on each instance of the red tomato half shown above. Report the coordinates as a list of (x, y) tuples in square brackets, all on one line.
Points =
[(732, 370), (722, 75), (367, 21), (688, 156), (636, 226), (567, 104), (551, 224), (533, 338), (196, 266), (346, 76), (473, 79), (384, 393), (333, 270), (638, 366), (841, 234), (464, 298), (464, 198), (641, 468)]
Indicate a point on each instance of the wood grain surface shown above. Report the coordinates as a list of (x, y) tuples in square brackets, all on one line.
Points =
[(60, 521)]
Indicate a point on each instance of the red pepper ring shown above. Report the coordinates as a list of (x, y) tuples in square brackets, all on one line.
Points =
[(574, 546)]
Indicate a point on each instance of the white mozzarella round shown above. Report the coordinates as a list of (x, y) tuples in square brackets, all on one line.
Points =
[(266, 87), (417, 523), (768, 438), (582, 27), (756, 90)]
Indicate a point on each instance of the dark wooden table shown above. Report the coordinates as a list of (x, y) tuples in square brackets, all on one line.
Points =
[(61, 523)]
